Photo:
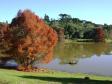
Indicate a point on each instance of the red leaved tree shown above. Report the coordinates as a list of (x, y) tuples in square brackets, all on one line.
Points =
[(99, 35), (29, 39)]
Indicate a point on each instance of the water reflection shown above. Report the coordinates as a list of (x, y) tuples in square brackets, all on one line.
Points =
[(92, 58), (72, 52)]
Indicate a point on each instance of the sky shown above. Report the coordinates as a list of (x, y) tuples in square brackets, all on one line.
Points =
[(97, 11)]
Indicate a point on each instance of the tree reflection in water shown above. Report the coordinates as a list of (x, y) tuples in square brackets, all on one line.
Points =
[(71, 52)]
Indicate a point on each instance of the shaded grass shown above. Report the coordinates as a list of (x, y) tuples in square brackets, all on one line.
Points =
[(65, 80), (50, 77)]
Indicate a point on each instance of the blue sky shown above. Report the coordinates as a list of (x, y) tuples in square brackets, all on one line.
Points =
[(98, 11)]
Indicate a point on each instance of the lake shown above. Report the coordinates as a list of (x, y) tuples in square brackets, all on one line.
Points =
[(90, 58)]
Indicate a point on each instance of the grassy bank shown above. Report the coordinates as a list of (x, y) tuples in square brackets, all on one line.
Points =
[(85, 41), (50, 77), (108, 40), (78, 41)]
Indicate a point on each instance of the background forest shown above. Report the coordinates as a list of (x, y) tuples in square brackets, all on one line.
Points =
[(76, 29)]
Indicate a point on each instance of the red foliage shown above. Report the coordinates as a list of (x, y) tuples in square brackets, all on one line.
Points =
[(3, 30), (100, 35), (30, 39), (48, 57)]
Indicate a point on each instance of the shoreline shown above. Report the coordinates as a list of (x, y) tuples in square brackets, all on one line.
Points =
[(86, 42)]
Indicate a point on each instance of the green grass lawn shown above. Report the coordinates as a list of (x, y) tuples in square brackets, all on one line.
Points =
[(50, 77)]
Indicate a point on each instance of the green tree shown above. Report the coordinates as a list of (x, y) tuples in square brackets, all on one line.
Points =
[(47, 19)]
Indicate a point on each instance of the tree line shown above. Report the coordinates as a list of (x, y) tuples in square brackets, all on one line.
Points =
[(74, 28)]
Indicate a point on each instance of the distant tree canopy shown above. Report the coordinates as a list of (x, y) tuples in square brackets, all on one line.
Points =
[(28, 39), (74, 28)]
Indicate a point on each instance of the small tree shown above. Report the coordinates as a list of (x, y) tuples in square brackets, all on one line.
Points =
[(99, 37), (29, 39)]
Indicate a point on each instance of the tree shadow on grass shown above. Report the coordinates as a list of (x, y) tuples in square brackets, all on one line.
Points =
[(63, 80)]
